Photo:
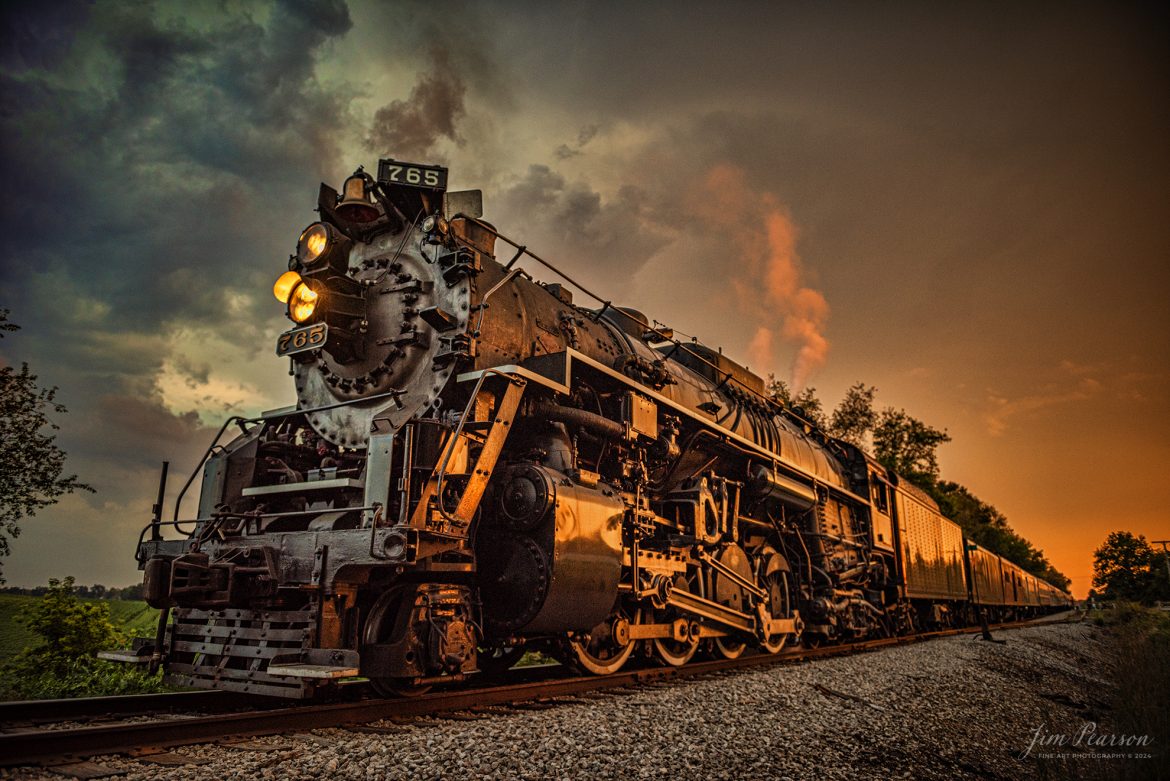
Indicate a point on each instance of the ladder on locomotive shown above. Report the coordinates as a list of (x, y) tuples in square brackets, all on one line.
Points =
[(485, 423)]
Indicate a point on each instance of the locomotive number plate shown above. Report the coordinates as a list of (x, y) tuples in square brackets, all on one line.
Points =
[(428, 177), (299, 340)]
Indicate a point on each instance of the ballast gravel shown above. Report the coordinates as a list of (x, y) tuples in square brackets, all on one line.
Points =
[(953, 707)]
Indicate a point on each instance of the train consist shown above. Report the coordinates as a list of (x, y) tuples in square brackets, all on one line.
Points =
[(478, 464)]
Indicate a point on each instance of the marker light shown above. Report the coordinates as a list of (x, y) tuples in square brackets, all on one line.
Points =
[(284, 286), (313, 242), (302, 303)]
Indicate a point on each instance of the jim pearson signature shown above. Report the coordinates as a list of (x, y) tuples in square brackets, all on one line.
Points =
[(1087, 737)]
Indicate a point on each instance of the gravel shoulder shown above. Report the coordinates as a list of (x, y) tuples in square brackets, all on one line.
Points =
[(953, 707)]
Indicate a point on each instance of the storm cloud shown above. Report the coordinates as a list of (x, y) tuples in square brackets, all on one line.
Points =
[(147, 153)]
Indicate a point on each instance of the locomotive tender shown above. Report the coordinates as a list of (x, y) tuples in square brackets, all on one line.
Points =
[(477, 464)]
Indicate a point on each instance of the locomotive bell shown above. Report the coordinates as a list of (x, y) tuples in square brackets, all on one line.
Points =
[(356, 205)]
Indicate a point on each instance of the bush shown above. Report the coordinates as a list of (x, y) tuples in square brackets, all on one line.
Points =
[(65, 664)]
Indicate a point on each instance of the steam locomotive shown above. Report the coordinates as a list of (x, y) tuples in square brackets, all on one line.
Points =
[(477, 464)]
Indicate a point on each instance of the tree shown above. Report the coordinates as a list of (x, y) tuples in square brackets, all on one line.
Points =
[(1126, 567), (806, 404), (30, 461), (854, 418), (907, 445), (777, 390), (69, 627)]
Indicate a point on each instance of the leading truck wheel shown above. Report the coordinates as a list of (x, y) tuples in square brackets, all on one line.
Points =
[(379, 628), (605, 648)]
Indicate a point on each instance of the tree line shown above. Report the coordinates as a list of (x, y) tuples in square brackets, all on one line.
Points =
[(96, 591), (909, 447)]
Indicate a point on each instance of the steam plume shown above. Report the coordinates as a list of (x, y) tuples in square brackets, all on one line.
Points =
[(769, 284), (410, 128)]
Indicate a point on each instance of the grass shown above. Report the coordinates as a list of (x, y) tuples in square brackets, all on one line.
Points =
[(1141, 702)]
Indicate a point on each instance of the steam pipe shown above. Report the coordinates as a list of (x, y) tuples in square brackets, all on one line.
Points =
[(590, 421)]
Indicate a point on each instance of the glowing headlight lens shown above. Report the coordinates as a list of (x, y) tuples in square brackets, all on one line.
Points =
[(302, 303), (313, 242), (284, 286)]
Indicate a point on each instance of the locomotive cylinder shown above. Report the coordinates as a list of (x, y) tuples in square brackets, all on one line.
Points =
[(550, 553)]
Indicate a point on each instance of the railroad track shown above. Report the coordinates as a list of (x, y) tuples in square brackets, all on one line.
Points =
[(224, 715)]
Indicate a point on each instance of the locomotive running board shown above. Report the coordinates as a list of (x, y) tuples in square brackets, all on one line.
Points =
[(555, 372)]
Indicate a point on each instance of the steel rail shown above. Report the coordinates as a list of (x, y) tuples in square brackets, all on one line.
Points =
[(28, 746), (25, 711)]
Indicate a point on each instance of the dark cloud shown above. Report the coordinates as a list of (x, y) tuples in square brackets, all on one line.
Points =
[(572, 225), (410, 128), (584, 136), (141, 430), (156, 149), (35, 34)]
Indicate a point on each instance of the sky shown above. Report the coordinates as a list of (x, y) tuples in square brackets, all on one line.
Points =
[(964, 206)]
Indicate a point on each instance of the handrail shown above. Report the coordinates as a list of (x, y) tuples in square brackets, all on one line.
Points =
[(453, 442), (206, 454)]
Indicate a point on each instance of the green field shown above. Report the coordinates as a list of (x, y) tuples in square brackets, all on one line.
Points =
[(133, 617)]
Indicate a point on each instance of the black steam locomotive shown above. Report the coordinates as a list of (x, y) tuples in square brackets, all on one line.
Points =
[(478, 464)]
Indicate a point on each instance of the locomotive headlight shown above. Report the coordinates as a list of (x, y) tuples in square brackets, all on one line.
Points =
[(314, 241), (302, 302), (284, 285)]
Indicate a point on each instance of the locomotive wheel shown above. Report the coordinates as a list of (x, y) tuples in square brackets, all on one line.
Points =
[(779, 606), (378, 629), (727, 592), (674, 652), (729, 648), (604, 650)]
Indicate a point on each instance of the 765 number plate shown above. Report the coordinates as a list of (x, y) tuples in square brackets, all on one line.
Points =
[(428, 177), (299, 340)]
